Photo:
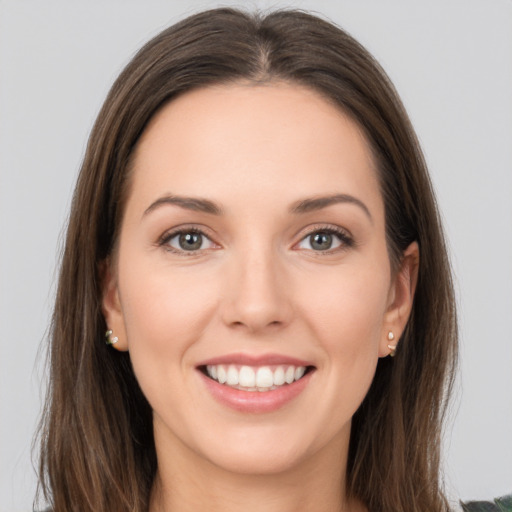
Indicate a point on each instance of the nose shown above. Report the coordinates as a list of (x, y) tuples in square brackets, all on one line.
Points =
[(257, 295)]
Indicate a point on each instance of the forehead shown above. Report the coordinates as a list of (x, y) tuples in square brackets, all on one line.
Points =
[(280, 140)]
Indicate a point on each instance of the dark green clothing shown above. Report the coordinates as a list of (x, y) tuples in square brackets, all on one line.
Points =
[(503, 504)]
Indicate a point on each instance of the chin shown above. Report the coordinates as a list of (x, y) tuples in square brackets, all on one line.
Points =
[(266, 449), (249, 461)]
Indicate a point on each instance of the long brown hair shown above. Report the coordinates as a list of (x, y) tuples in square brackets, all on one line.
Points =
[(97, 451)]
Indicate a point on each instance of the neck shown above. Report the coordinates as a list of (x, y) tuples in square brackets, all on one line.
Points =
[(193, 484)]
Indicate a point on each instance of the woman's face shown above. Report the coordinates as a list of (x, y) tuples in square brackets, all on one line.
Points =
[(252, 284)]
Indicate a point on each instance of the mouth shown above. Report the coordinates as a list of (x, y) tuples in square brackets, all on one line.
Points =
[(249, 383), (256, 378)]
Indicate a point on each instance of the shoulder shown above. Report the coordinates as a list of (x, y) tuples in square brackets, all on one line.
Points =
[(502, 504)]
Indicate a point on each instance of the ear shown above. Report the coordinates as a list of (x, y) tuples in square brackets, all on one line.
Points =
[(401, 297), (111, 305)]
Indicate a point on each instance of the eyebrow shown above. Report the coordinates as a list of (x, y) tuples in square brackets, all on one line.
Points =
[(302, 206), (196, 204), (317, 203)]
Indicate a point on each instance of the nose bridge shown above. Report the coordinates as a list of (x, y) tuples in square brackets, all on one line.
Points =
[(257, 295)]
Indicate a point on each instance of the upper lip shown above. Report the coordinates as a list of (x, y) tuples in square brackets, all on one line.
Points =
[(255, 360)]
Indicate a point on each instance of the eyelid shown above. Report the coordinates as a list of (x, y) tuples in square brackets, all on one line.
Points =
[(163, 240), (343, 234)]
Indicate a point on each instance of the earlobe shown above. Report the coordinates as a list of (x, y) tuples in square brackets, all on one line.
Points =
[(111, 308), (403, 288)]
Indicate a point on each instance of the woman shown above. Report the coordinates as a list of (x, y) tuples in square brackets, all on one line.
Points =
[(255, 231)]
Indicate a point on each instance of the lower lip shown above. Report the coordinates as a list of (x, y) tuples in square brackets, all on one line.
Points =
[(255, 401)]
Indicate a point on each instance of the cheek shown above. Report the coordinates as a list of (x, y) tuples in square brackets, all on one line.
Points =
[(162, 305), (344, 317), (347, 315), (164, 313), (349, 301)]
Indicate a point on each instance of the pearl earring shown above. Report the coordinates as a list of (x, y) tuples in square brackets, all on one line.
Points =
[(392, 348), (109, 340)]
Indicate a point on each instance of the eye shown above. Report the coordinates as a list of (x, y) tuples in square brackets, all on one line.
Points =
[(189, 240), (325, 240)]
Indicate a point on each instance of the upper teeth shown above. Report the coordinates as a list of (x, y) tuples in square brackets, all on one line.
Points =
[(263, 378)]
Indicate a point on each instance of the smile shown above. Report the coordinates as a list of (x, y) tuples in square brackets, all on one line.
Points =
[(255, 384), (250, 378)]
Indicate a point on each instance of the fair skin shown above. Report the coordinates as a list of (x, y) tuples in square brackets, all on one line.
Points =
[(258, 275)]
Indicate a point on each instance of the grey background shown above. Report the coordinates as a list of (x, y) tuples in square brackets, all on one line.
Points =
[(452, 64)]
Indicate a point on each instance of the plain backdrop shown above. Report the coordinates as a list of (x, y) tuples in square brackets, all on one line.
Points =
[(451, 61)]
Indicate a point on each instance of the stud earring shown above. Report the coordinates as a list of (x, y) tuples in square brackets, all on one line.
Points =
[(109, 340), (392, 348)]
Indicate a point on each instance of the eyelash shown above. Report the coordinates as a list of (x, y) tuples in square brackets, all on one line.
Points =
[(346, 240), (167, 237)]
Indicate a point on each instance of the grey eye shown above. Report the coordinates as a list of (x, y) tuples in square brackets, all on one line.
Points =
[(320, 241), (190, 241)]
